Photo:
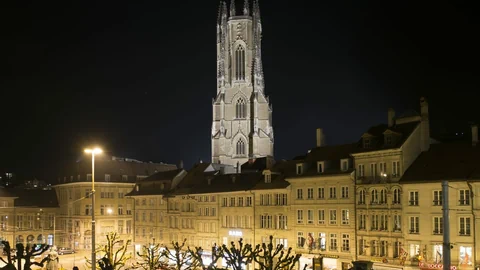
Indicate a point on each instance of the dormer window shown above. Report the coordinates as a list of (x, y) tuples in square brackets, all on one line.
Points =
[(209, 181), (137, 188), (299, 169), (162, 186), (344, 165), (268, 176), (320, 166), (388, 140), (366, 143)]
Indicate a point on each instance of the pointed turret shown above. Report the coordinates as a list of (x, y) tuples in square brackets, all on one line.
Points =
[(246, 8), (232, 8), (257, 61)]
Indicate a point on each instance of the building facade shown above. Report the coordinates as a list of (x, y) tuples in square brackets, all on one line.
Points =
[(28, 216), (114, 178), (384, 153), (242, 116)]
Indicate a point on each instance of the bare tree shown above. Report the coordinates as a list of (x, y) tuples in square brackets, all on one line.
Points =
[(269, 257), (113, 258), (214, 257), (23, 253), (236, 257), (183, 259), (151, 258)]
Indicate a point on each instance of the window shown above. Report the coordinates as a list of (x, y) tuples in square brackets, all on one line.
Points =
[(333, 217), (282, 241), (333, 241), (300, 239), (249, 201), (413, 200), (300, 194), (361, 197), (374, 197), (333, 192), (344, 192), (383, 248), (107, 177), (362, 222), (383, 222), (437, 225), (240, 201), (464, 197), (120, 209), (345, 217), (310, 193), (240, 63), (383, 168), (241, 147), (241, 108), (266, 222), (310, 216), (282, 222), (323, 241), (345, 242), (268, 178), (299, 216), (321, 216), (374, 248), (396, 249), (320, 166), (397, 223), (120, 227), (299, 169), (366, 143), (344, 164), (88, 209), (464, 226), (280, 199), (383, 196), (362, 243), (321, 193), (414, 225), (361, 170), (374, 222), (124, 178), (396, 196), (232, 202), (388, 140), (373, 169), (437, 197), (465, 255), (396, 169)]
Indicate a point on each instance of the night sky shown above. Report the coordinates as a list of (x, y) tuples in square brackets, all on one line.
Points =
[(138, 78)]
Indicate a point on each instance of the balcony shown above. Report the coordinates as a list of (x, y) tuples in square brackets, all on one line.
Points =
[(437, 232), (345, 249), (464, 233), (378, 179)]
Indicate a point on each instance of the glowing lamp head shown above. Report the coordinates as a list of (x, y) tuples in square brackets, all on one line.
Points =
[(93, 151), (109, 211)]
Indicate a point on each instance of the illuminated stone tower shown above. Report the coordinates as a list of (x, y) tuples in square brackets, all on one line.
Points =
[(242, 116)]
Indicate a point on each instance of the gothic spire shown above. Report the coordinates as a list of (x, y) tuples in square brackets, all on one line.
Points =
[(246, 8), (232, 8), (219, 16)]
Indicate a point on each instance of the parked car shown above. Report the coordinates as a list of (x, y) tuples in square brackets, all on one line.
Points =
[(63, 250)]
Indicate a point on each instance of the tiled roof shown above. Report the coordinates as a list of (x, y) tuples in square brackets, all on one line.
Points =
[(116, 168), (5, 193), (445, 161), (331, 154), (34, 197), (152, 185), (377, 131)]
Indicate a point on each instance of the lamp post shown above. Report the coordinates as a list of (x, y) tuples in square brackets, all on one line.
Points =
[(93, 152)]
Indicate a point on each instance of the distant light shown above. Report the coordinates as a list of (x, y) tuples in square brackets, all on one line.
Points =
[(109, 211)]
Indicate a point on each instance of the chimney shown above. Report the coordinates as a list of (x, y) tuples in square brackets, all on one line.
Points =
[(320, 137), (474, 135), (425, 125), (180, 164), (391, 117)]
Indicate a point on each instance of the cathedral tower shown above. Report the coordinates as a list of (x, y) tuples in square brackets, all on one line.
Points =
[(242, 116)]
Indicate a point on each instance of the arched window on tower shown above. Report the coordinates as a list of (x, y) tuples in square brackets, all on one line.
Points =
[(240, 63), (241, 108), (240, 147)]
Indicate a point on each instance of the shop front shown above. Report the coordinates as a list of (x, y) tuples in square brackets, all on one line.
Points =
[(324, 262)]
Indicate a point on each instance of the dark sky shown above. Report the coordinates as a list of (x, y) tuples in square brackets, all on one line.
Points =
[(138, 78)]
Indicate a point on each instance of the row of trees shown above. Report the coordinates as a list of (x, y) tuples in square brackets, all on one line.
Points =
[(266, 256)]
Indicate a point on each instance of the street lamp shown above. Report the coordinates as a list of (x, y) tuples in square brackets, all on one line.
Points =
[(93, 152), (109, 211)]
